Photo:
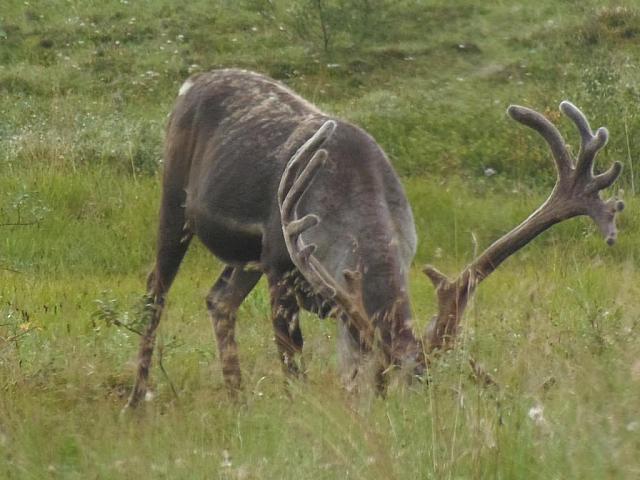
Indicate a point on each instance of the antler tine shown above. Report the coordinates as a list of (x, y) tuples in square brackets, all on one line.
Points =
[(590, 144), (329, 285), (579, 118), (436, 276), (293, 166), (296, 227), (302, 182), (606, 179), (549, 132)]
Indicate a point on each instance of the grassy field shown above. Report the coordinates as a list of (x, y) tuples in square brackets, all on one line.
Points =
[(85, 88)]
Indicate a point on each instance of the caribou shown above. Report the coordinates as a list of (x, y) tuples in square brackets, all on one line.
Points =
[(273, 186)]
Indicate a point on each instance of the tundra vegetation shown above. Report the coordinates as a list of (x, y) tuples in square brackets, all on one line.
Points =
[(85, 88)]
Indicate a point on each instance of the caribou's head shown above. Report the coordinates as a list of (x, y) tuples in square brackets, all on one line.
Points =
[(349, 230)]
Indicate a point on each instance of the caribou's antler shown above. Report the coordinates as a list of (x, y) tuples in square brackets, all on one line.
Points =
[(295, 181), (576, 192)]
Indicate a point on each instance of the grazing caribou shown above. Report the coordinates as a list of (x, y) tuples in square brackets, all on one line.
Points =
[(272, 185)]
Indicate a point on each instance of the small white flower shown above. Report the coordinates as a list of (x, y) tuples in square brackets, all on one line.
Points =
[(489, 172), (149, 396), (226, 459), (536, 414)]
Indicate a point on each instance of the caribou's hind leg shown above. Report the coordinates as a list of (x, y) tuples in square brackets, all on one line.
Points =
[(173, 240), (284, 316), (224, 298)]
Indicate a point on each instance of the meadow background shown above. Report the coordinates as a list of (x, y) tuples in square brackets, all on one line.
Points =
[(85, 88)]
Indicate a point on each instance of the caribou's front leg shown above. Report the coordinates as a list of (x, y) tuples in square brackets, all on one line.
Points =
[(171, 250), (350, 354), (224, 298), (153, 312), (284, 316)]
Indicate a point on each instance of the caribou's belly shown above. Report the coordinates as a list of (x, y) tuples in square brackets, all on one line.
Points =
[(231, 241)]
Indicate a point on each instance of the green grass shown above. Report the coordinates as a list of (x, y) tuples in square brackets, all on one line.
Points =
[(85, 88)]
